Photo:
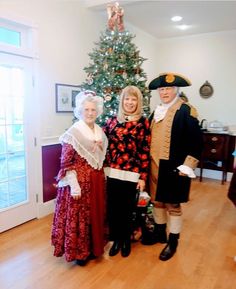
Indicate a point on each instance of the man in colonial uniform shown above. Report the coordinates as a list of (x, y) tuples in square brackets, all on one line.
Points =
[(176, 144)]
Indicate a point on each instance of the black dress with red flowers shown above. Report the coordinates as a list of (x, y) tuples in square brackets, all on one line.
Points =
[(127, 155)]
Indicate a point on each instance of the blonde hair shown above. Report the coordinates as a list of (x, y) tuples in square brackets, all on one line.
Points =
[(135, 116)]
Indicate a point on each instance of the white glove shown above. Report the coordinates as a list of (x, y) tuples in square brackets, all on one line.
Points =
[(72, 181)]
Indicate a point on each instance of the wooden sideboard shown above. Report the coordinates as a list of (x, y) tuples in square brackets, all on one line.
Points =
[(217, 153)]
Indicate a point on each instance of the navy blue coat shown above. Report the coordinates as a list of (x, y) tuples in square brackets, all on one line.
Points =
[(186, 139)]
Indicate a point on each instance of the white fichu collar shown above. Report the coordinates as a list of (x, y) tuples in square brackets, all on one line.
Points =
[(89, 144), (94, 135), (161, 110)]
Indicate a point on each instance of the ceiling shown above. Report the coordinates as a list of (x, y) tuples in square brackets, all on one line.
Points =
[(154, 17)]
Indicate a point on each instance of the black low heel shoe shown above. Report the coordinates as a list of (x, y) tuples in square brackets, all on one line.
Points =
[(170, 248), (81, 262), (114, 249), (126, 248)]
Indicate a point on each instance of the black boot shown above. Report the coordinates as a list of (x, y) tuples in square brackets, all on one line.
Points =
[(170, 248), (157, 236), (115, 248), (126, 248)]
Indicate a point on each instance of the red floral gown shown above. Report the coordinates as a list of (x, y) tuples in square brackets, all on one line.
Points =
[(79, 225)]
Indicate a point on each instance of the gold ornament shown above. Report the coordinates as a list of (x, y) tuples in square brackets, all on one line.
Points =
[(170, 78)]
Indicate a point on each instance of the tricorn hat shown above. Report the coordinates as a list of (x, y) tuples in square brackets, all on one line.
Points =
[(169, 79)]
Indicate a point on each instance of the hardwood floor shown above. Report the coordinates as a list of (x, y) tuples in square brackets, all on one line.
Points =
[(204, 259)]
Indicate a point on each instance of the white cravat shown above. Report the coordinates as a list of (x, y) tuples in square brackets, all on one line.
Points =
[(161, 110)]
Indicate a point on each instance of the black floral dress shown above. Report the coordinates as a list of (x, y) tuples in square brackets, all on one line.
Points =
[(127, 155)]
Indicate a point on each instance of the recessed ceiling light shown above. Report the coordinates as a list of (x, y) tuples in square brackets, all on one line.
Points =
[(176, 18), (183, 27)]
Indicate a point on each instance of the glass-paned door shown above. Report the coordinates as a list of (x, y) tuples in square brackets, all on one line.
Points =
[(17, 196)]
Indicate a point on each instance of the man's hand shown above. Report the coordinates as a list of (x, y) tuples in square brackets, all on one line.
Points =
[(182, 174)]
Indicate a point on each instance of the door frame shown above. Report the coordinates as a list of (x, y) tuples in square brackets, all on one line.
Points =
[(23, 212)]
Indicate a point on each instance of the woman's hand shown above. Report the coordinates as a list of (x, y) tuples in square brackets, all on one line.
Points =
[(141, 185)]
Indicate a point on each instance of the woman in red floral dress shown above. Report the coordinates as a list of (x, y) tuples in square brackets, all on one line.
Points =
[(126, 166), (78, 227)]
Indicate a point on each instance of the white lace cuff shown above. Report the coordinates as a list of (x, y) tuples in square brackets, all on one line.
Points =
[(187, 171), (71, 180)]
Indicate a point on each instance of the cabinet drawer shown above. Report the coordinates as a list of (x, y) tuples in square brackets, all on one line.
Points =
[(215, 147)]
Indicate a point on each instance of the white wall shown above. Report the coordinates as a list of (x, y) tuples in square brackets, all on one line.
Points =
[(204, 57)]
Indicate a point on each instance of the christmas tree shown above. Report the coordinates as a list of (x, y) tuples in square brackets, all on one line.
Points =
[(115, 64)]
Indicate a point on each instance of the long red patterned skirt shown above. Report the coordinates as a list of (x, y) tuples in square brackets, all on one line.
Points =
[(79, 225)]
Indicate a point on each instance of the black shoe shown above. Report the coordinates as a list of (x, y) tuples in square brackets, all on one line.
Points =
[(80, 262), (114, 249), (170, 248), (167, 253), (126, 248)]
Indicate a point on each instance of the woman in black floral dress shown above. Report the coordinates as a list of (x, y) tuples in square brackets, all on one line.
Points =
[(126, 166)]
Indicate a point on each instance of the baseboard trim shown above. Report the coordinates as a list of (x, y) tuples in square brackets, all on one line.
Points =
[(46, 208), (211, 174)]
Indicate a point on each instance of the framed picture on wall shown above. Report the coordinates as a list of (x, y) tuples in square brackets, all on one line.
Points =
[(65, 97)]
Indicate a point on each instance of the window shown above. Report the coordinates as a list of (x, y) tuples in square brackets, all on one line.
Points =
[(16, 38), (9, 36)]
